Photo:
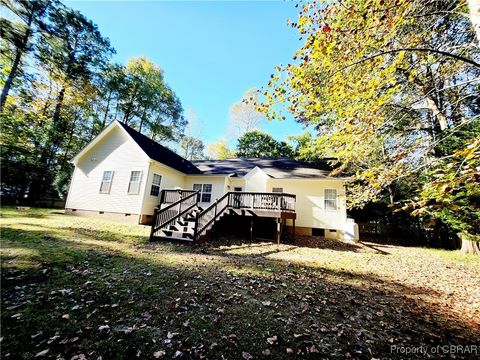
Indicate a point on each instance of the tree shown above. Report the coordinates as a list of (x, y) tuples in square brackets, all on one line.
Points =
[(19, 35), (192, 148), (66, 95), (72, 52), (304, 146), (219, 150), (146, 102), (454, 195), (244, 115), (391, 87), (256, 144)]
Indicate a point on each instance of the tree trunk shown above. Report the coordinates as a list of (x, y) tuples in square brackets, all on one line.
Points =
[(126, 117), (107, 109), (470, 244), (56, 132), (437, 113), (16, 62), (142, 119), (474, 9), (11, 76), (58, 108)]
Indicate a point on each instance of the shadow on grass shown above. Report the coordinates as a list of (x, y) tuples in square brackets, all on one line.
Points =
[(9, 212), (317, 242), (122, 304), (313, 242)]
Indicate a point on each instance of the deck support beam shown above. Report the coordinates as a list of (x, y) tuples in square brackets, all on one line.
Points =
[(277, 233), (251, 229), (293, 229)]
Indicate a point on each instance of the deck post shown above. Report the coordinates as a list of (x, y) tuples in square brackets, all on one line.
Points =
[(251, 229), (293, 230), (277, 235)]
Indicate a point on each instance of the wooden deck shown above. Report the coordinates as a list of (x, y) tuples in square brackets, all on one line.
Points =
[(176, 204)]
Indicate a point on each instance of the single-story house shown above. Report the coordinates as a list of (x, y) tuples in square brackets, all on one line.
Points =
[(124, 175)]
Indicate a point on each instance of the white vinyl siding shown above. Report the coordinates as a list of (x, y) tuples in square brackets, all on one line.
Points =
[(156, 181), (134, 183), (310, 202), (115, 152), (330, 199), (205, 192), (106, 183)]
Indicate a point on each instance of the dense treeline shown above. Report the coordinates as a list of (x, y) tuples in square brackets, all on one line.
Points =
[(60, 88), (393, 90)]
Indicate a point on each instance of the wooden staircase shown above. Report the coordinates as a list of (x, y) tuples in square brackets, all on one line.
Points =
[(179, 218), (183, 228)]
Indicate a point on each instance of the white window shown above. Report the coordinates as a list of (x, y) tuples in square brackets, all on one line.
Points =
[(106, 182), (330, 199), (205, 192), (155, 190), (277, 190), (134, 184)]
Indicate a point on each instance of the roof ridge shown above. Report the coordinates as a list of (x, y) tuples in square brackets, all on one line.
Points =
[(160, 153)]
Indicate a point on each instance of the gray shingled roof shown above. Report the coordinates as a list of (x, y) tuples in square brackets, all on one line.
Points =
[(278, 168), (160, 153)]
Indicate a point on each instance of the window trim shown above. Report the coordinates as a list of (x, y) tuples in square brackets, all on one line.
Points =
[(325, 200), (202, 192), (152, 185), (139, 181), (110, 181)]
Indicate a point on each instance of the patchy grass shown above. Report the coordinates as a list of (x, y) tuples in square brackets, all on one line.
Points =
[(84, 288)]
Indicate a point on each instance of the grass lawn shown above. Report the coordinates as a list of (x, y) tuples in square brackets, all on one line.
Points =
[(79, 288)]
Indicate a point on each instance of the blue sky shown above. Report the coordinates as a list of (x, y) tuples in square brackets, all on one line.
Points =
[(211, 52)]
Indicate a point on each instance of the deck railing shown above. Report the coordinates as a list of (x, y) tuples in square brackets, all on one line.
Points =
[(242, 200), (262, 201), (171, 196), (166, 216)]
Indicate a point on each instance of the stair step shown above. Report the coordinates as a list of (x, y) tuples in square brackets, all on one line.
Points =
[(182, 224), (174, 238), (177, 234)]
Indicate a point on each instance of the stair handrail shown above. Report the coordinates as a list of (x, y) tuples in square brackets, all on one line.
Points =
[(162, 218), (217, 208)]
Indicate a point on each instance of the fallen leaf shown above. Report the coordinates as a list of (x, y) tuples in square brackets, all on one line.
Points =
[(246, 355), (272, 340), (158, 354), (103, 327), (171, 335), (42, 353)]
